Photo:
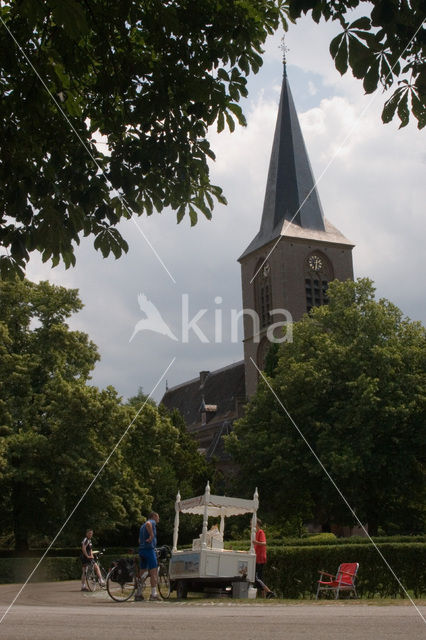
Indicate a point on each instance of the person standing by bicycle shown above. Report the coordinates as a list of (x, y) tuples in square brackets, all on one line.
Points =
[(87, 558), (147, 553)]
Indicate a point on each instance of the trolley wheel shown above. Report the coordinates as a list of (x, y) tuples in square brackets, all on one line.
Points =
[(181, 590), (163, 583), (119, 591)]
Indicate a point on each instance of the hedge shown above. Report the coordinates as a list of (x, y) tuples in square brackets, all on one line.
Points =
[(66, 552), (330, 539), (51, 569), (322, 539), (18, 569), (293, 572)]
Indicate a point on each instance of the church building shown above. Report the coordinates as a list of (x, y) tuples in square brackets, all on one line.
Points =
[(287, 266)]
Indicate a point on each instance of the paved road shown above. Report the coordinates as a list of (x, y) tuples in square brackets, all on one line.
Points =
[(59, 611)]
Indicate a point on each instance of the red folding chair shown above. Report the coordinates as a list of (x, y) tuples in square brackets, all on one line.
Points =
[(344, 580)]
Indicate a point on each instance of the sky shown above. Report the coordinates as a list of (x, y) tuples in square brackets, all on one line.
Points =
[(371, 182)]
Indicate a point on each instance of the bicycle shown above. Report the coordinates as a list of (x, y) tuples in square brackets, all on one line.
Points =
[(92, 580), (125, 580), (164, 554)]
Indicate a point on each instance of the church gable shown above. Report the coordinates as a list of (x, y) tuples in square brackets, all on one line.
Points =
[(221, 391), (209, 405)]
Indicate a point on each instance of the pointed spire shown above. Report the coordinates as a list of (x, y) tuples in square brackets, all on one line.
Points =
[(290, 178)]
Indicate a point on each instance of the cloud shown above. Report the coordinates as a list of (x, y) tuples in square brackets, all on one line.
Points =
[(374, 193), (312, 88)]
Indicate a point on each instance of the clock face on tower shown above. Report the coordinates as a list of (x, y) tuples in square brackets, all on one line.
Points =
[(315, 263)]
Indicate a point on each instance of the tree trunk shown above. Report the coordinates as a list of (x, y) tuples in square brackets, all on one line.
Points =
[(20, 528)]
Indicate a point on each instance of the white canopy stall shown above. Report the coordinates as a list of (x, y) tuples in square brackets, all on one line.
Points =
[(208, 562)]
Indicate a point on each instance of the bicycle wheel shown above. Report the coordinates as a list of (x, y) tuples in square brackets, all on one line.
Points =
[(119, 591), (104, 574), (92, 579), (144, 586), (163, 582)]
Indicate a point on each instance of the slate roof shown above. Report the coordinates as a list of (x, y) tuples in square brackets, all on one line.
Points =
[(329, 235), (221, 388), (290, 180)]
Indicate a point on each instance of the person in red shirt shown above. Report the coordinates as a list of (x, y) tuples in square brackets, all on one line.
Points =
[(260, 551)]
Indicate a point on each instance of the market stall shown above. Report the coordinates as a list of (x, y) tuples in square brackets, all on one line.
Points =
[(208, 565)]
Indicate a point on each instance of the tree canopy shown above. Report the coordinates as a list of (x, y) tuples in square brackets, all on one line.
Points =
[(166, 459), (386, 47), (57, 430), (354, 382), (151, 77)]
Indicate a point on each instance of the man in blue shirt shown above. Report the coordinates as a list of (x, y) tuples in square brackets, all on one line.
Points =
[(147, 553)]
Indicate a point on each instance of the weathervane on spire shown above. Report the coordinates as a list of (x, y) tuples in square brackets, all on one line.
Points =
[(284, 50)]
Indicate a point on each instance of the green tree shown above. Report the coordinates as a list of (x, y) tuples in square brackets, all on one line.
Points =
[(354, 382), (271, 359), (151, 77), (384, 48), (166, 460), (56, 429)]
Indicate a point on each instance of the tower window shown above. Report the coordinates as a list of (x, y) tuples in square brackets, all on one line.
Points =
[(318, 273), (263, 294)]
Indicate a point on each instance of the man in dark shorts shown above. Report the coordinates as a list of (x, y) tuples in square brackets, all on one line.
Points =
[(147, 552), (87, 558)]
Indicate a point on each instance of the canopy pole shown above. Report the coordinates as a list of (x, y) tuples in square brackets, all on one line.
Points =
[(254, 520), (205, 516), (222, 523), (176, 527)]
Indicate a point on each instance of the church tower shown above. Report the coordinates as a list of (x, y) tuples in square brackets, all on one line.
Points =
[(296, 252)]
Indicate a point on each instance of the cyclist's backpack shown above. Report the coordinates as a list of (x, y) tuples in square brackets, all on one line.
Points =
[(163, 553), (124, 571)]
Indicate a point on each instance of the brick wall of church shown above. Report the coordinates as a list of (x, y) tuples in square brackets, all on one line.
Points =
[(287, 273)]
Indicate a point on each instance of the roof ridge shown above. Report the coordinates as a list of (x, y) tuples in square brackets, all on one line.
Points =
[(197, 380)]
